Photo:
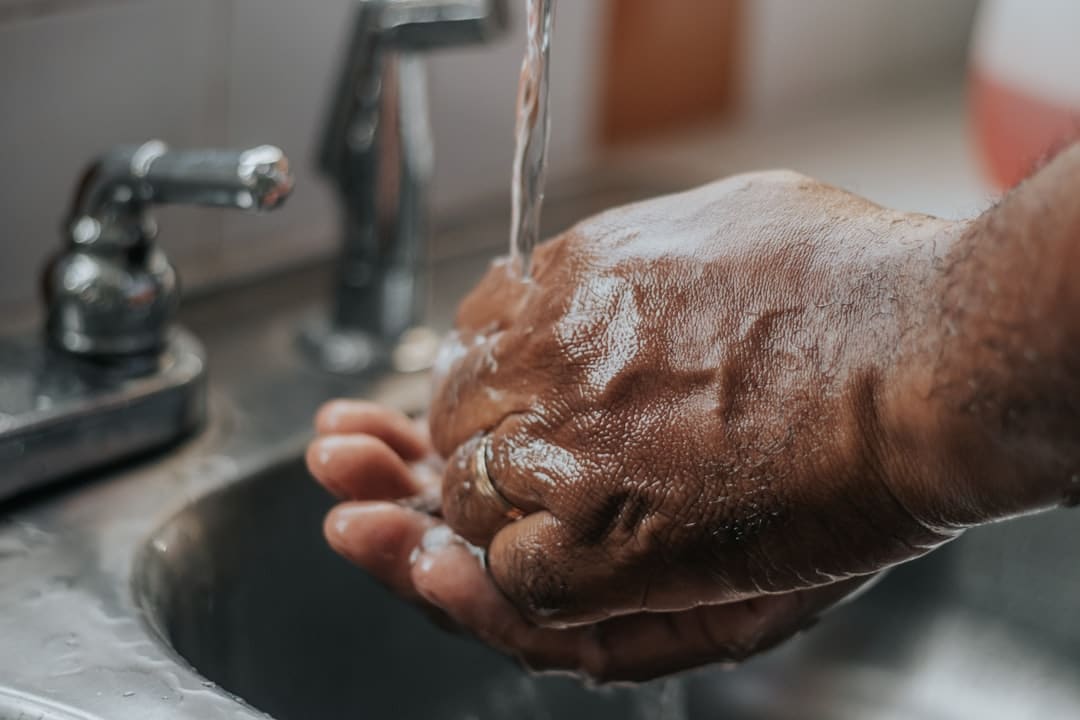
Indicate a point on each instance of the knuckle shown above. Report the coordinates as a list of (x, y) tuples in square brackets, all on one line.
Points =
[(611, 515), (545, 595), (534, 584)]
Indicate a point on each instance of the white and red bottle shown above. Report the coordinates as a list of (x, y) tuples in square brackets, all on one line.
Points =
[(1025, 83)]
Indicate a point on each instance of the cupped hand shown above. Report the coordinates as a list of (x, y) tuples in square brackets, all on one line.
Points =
[(384, 468), (708, 417), (697, 400)]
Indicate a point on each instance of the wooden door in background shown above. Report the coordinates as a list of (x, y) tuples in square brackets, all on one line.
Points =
[(668, 64)]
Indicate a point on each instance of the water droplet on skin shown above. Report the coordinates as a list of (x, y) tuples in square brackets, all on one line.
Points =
[(441, 537)]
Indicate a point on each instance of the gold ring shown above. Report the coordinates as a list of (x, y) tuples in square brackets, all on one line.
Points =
[(486, 487)]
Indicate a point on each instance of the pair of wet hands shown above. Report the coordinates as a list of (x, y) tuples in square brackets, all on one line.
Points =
[(701, 403)]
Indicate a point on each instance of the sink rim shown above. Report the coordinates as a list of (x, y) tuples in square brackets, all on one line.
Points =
[(150, 547), (20, 704)]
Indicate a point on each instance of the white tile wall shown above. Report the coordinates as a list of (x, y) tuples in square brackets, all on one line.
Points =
[(77, 76)]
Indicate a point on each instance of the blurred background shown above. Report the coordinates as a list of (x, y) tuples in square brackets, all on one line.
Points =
[(869, 94)]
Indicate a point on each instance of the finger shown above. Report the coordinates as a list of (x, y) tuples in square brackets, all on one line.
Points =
[(502, 295), (362, 467), (347, 417), (633, 648), (525, 472), (477, 381), (529, 470), (476, 386), (495, 301), (454, 580), (556, 580), (381, 538), (640, 647), (472, 504)]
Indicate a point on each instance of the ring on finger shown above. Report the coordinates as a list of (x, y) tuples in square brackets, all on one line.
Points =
[(484, 484)]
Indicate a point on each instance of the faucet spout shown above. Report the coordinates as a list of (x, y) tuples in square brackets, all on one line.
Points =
[(377, 150)]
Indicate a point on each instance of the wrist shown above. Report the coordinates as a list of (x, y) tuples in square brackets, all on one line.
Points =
[(933, 456), (990, 399)]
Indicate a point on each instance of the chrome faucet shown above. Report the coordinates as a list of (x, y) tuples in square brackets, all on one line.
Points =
[(377, 149), (114, 377), (112, 292)]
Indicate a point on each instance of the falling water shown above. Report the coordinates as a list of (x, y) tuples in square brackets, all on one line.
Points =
[(533, 131), (664, 701)]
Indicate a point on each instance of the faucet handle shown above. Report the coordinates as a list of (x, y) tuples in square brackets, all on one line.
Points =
[(112, 204), (255, 179), (112, 291)]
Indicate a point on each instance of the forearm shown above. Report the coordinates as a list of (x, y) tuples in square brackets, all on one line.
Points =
[(1001, 354)]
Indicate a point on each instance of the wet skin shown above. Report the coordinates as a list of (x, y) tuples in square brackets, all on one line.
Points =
[(722, 412)]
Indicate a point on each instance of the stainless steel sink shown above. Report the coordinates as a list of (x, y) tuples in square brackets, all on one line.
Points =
[(23, 707), (196, 586), (243, 587)]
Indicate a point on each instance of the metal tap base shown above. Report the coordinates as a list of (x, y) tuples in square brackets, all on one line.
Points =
[(61, 415)]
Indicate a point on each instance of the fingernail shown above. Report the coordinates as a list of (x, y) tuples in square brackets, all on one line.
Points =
[(329, 445), (426, 563), (343, 517), (423, 575), (329, 416)]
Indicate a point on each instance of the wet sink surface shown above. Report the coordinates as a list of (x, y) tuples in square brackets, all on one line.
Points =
[(243, 587), (16, 706)]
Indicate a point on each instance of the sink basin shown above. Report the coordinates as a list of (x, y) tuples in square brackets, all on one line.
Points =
[(241, 585)]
